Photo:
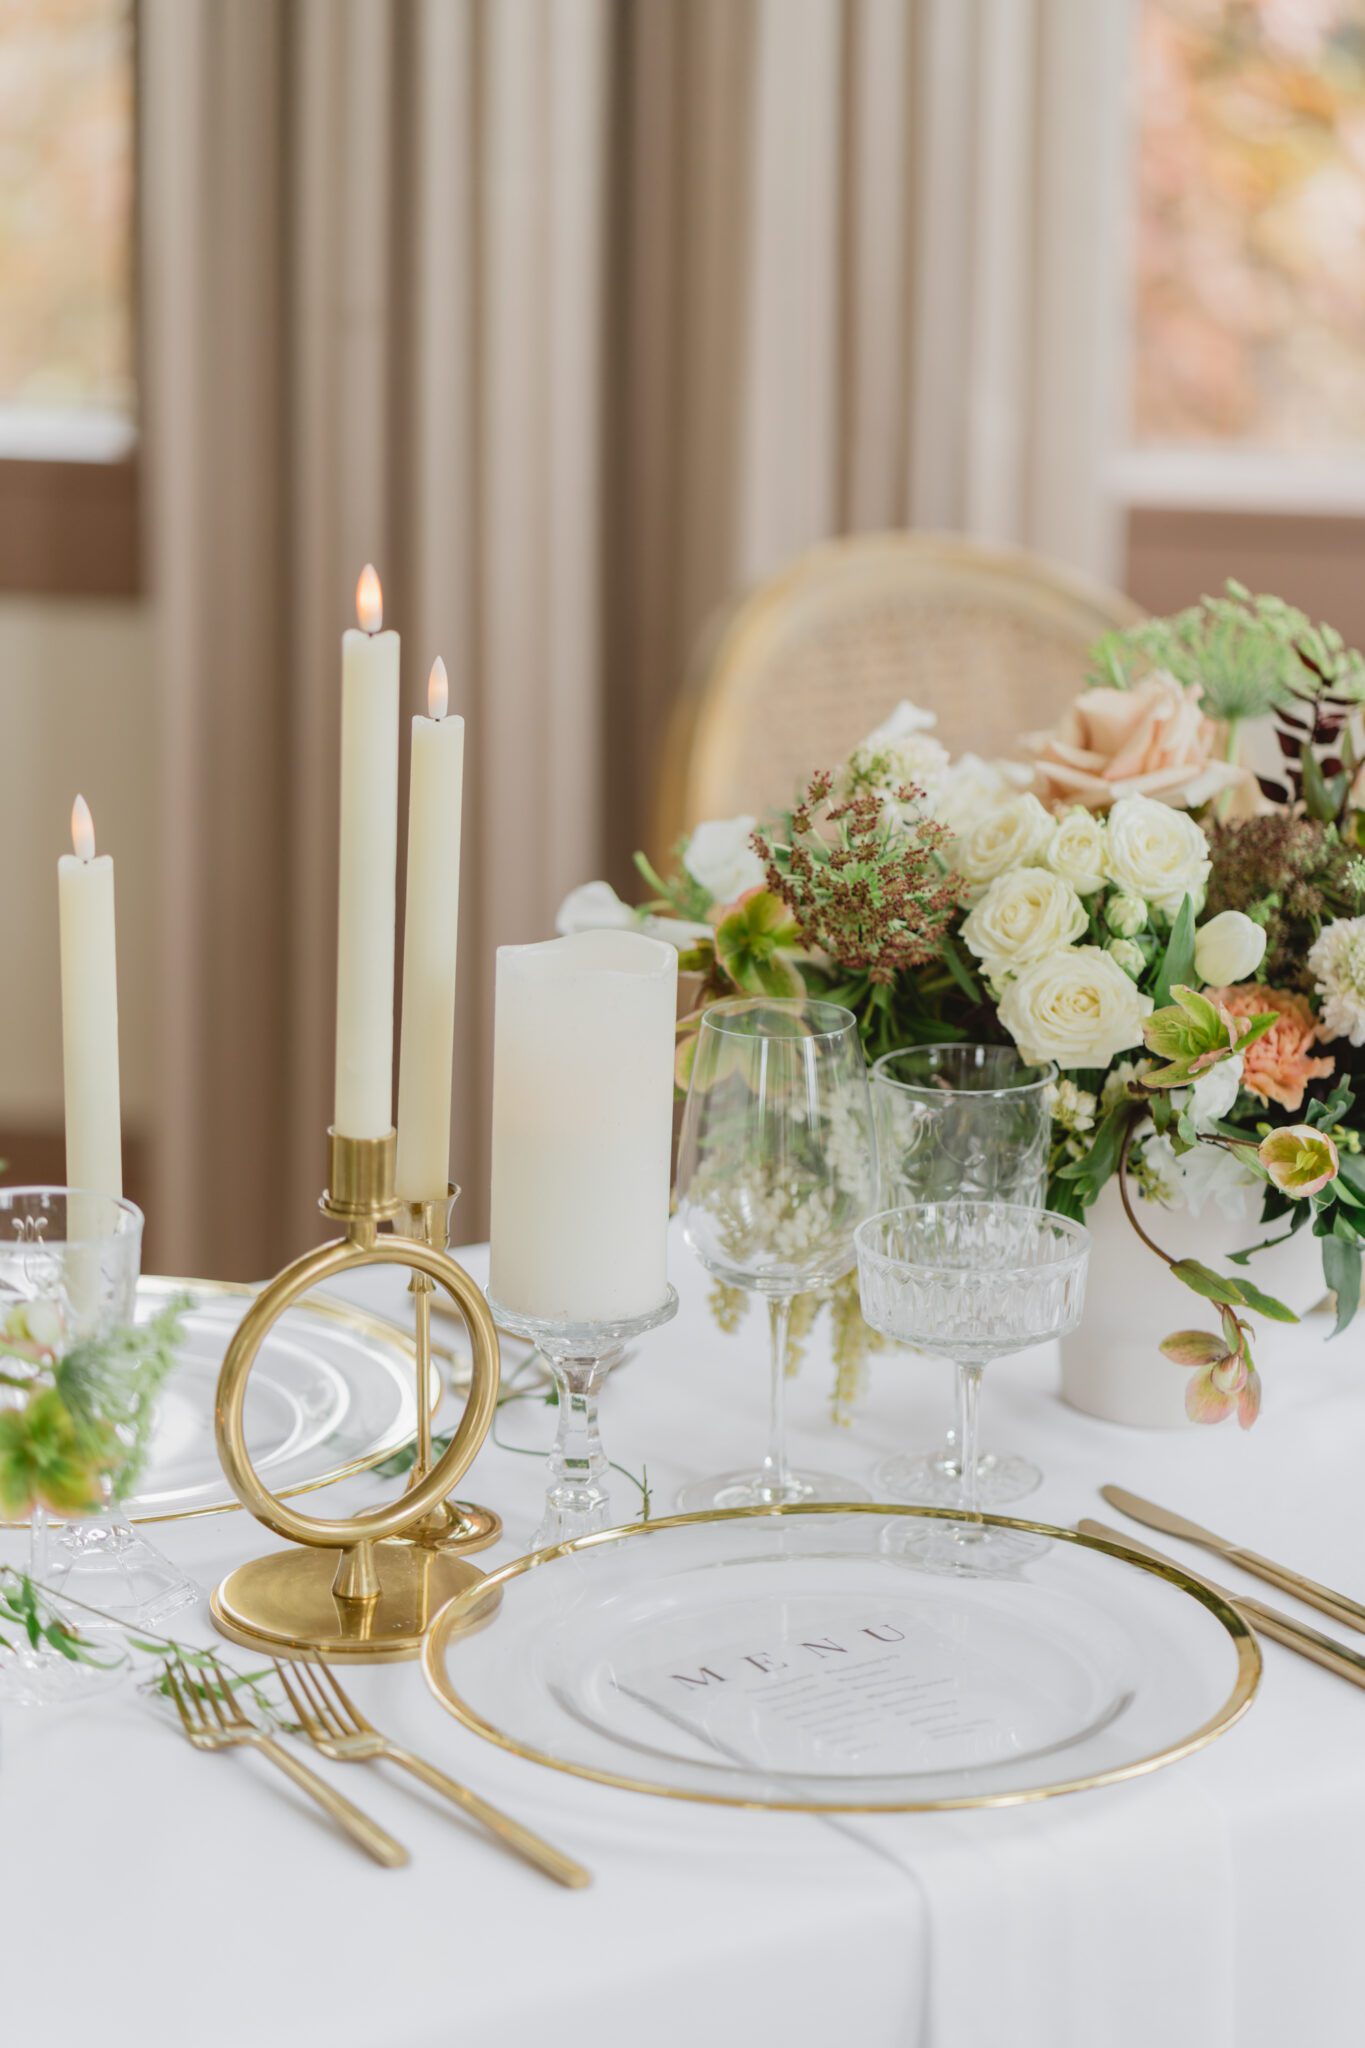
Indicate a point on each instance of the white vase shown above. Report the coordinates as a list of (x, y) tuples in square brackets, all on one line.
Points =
[(1111, 1366)]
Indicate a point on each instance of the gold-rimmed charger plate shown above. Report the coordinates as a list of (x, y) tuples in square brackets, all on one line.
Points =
[(334, 1393), (807, 1659)]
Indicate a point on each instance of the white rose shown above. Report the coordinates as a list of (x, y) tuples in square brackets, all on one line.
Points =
[(1076, 1007), (1023, 915), (720, 857), (1077, 851), (1228, 949), (1156, 852), (972, 787), (1016, 835), (1126, 916), (1129, 955)]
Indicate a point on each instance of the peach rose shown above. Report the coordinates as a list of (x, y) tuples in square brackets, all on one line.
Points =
[(1277, 1067), (1153, 740)]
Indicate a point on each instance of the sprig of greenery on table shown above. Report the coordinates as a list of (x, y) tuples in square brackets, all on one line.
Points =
[(35, 1611)]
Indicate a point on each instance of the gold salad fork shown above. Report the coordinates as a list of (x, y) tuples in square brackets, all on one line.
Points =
[(213, 1719), (337, 1729)]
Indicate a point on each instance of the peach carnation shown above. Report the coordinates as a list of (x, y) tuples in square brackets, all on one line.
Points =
[(1277, 1067)]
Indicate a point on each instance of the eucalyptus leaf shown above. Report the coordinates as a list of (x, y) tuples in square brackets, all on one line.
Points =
[(1341, 1263)]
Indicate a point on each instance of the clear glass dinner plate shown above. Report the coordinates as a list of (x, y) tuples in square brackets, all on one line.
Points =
[(805, 1658), (333, 1391)]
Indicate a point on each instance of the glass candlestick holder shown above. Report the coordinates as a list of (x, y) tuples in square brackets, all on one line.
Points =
[(580, 1355)]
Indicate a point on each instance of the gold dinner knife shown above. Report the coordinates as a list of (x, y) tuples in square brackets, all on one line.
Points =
[(1349, 1612), (1267, 1621)]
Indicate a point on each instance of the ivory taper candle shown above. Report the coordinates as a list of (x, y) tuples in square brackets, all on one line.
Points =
[(583, 1126), (368, 869), (430, 942), (85, 901)]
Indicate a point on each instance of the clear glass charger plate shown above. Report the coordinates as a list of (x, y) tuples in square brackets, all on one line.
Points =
[(333, 1391), (801, 1658)]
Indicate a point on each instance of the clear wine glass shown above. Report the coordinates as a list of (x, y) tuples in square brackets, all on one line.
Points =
[(972, 1281), (776, 1167), (960, 1122)]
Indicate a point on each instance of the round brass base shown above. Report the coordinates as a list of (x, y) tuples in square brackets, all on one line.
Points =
[(284, 1604), (457, 1526)]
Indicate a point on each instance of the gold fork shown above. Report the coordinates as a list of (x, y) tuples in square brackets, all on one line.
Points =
[(338, 1729), (213, 1719)]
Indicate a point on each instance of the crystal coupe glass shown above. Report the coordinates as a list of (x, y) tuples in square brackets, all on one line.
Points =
[(960, 1123), (972, 1281), (776, 1167)]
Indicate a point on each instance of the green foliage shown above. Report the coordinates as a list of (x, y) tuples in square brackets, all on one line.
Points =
[(1177, 962), (22, 1604), (49, 1458), (1290, 874), (1249, 656), (677, 895), (752, 944), (1341, 1262), (1221, 1287), (864, 886), (115, 1379), (1192, 1035)]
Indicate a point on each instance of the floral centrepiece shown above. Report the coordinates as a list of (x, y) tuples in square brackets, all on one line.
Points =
[(1186, 942)]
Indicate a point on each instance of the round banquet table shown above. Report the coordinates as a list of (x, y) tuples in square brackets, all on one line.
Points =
[(151, 1894)]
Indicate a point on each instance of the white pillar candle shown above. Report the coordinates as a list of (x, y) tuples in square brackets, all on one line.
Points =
[(430, 941), (85, 898), (368, 870), (583, 1126)]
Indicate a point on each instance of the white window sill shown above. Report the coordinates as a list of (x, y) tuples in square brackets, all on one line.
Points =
[(42, 434), (1248, 480)]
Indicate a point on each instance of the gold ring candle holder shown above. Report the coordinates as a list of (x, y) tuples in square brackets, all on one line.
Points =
[(364, 1587)]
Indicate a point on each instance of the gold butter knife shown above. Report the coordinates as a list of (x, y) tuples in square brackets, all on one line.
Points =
[(1349, 1612), (1267, 1621)]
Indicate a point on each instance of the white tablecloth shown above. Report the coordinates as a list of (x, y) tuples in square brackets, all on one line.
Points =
[(149, 1894)]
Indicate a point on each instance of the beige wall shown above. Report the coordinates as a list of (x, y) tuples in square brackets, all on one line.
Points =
[(76, 713)]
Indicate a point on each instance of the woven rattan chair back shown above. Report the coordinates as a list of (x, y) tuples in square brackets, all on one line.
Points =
[(994, 641)]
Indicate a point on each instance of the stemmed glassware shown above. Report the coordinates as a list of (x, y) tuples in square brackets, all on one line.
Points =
[(69, 1262), (972, 1281), (960, 1123), (580, 1355), (776, 1167)]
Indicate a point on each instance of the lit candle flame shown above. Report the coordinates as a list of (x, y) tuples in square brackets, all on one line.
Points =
[(369, 600), (438, 690), (82, 830)]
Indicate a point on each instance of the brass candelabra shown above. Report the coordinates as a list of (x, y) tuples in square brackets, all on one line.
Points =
[(367, 1586)]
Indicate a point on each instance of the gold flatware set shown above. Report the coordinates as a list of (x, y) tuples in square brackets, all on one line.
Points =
[(338, 1730), (1269, 1621), (213, 1718)]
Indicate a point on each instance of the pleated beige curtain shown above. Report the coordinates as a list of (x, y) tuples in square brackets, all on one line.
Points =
[(373, 264), (574, 316)]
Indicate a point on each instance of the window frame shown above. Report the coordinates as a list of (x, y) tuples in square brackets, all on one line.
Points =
[(1235, 478), (71, 527)]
